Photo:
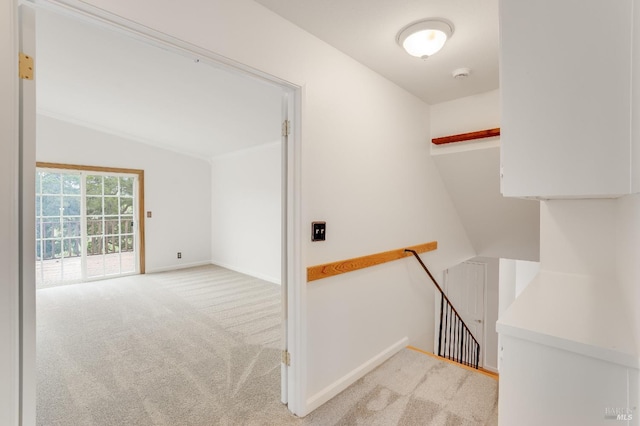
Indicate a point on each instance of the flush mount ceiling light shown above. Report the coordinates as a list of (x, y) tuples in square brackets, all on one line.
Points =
[(425, 38)]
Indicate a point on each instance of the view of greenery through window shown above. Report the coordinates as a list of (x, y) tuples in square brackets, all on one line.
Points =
[(78, 211), (58, 204)]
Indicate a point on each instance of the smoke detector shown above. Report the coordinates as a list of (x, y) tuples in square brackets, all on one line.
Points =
[(460, 73)]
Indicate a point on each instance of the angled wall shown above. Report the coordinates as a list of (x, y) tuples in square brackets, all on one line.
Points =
[(497, 226)]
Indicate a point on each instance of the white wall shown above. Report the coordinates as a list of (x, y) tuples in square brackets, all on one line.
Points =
[(525, 273), (507, 291), (578, 237), (177, 188), (246, 210), (514, 277), (366, 170), (498, 227), (464, 115)]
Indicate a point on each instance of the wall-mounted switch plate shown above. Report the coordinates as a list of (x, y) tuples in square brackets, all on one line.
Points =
[(318, 231), (179, 255), (149, 214)]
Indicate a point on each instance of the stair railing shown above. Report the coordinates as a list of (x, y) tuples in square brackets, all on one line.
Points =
[(455, 340)]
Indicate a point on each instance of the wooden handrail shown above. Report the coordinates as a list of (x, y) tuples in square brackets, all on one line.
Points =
[(466, 352), (342, 266), (462, 137)]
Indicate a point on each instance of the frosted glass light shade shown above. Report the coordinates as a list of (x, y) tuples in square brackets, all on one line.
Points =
[(425, 38)]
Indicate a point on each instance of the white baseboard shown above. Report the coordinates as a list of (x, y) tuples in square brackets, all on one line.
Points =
[(251, 273), (177, 266), (492, 369), (344, 382)]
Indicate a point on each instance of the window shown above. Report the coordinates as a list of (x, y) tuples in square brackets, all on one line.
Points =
[(86, 225)]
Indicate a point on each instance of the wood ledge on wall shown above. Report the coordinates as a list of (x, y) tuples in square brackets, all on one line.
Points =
[(342, 266), (464, 137)]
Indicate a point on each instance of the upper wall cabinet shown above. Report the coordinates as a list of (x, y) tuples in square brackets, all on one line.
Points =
[(566, 84)]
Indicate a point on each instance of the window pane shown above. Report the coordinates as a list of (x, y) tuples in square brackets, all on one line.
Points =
[(111, 206), (127, 262), (95, 265), (72, 227), (95, 246), (38, 228), (51, 227), (51, 183), (94, 226), (126, 225), (94, 185), (38, 248), (52, 249), (126, 243), (126, 205), (72, 247), (71, 269), (71, 206), (112, 244), (71, 184), (110, 185), (126, 186), (51, 205), (38, 204), (111, 227), (94, 206)]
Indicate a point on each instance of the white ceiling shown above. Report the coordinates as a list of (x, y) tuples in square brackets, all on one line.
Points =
[(366, 30), (109, 81)]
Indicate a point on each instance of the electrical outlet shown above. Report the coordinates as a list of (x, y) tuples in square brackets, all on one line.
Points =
[(179, 255)]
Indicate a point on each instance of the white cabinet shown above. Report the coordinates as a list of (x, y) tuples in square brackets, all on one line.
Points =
[(545, 385), (566, 86)]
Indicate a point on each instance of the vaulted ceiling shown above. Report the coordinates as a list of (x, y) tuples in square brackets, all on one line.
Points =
[(109, 81)]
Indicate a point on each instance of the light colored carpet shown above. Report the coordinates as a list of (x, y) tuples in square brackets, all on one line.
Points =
[(414, 389), (199, 347)]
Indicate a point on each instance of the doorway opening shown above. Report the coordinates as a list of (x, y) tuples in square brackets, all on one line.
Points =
[(88, 223), (290, 164)]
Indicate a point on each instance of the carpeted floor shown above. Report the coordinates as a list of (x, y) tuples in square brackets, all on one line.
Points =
[(200, 347)]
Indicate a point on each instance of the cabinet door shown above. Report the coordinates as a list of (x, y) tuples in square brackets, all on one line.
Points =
[(566, 97)]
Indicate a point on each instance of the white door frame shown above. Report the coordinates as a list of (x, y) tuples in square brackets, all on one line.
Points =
[(292, 280), (27, 214)]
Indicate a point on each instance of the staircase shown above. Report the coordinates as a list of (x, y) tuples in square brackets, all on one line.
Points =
[(455, 340)]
